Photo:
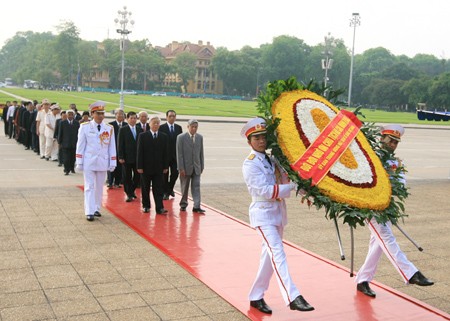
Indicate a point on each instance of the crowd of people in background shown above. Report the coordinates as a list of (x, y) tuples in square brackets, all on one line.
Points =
[(157, 161)]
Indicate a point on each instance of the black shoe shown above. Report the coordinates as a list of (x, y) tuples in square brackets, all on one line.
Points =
[(365, 289), (172, 194), (59, 165), (300, 304), (146, 210), (27, 148), (261, 305), (419, 279), (97, 213), (198, 210), (183, 208), (129, 199), (90, 218), (42, 157), (117, 185), (54, 160), (134, 196), (47, 159), (66, 173), (72, 171), (165, 197), (109, 186), (162, 211)]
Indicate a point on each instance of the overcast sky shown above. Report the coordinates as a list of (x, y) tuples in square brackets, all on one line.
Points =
[(403, 27)]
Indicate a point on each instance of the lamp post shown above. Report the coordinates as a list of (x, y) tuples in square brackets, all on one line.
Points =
[(354, 22), (122, 21), (327, 63)]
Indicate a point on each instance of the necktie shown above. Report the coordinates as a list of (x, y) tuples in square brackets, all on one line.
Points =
[(144, 127), (98, 127), (133, 130), (154, 136), (193, 138), (268, 159), (171, 129), (70, 123)]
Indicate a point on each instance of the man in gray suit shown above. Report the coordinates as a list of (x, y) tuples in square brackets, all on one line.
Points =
[(190, 162)]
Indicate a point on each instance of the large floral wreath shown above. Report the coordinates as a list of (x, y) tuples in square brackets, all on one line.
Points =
[(357, 186)]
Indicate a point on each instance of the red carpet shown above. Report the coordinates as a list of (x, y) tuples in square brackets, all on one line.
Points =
[(223, 253)]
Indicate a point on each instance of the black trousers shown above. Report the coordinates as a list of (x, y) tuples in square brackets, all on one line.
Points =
[(169, 181), (68, 158), (6, 128), (115, 177), (156, 181), (130, 178)]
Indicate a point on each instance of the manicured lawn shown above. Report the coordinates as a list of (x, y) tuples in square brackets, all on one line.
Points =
[(185, 106)]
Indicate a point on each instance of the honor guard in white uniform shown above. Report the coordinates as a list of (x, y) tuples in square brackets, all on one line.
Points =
[(382, 239), (268, 185), (95, 154)]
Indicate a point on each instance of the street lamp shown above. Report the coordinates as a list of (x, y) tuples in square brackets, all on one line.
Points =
[(354, 22), (327, 63), (122, 21)]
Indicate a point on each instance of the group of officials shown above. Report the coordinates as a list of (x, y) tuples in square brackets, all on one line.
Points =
[(44, 129), (142, 153)]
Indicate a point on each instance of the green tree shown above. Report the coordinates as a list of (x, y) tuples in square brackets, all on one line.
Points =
[(439, 92), (417, 90), (185, 66), (65, 51), (285, 57)]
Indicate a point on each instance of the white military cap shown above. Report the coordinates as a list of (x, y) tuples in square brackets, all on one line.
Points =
[(98, 106), (394, 131), (55, 106), (255, 126)]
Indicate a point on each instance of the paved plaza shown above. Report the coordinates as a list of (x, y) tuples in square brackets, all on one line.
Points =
[(55, 265)]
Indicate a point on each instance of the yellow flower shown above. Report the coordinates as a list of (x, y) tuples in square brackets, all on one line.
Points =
[(357, 178)]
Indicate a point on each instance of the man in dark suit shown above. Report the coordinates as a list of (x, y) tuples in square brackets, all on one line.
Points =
[(67, 140), (115, 178), (172, 130), (126, 154), (152, 163), (56, 134)]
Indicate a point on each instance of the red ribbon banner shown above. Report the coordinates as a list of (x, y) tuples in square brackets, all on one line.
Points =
[(328, 147)]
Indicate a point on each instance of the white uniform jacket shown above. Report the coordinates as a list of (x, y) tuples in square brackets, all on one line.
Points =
[(268, 206), (96, 150)]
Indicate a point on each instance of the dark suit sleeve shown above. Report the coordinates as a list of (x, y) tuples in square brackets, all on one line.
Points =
[(166, 152), (121, 143), (140, 152), (60, 136)]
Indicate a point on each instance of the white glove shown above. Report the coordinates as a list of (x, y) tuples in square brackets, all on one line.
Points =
[(79, 168), (293, 186), (111, 168)]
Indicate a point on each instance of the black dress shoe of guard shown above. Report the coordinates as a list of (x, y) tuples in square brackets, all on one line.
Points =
[(90, 218), (66, 173), (165, 197), (365, 289), (198, 210), (72, 171), (261, 305), (146, 210), (172, 194), (300, 304), (162, 211), (97, 213), (183, 208), (419, 279), (129, 199), (134, 196)]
